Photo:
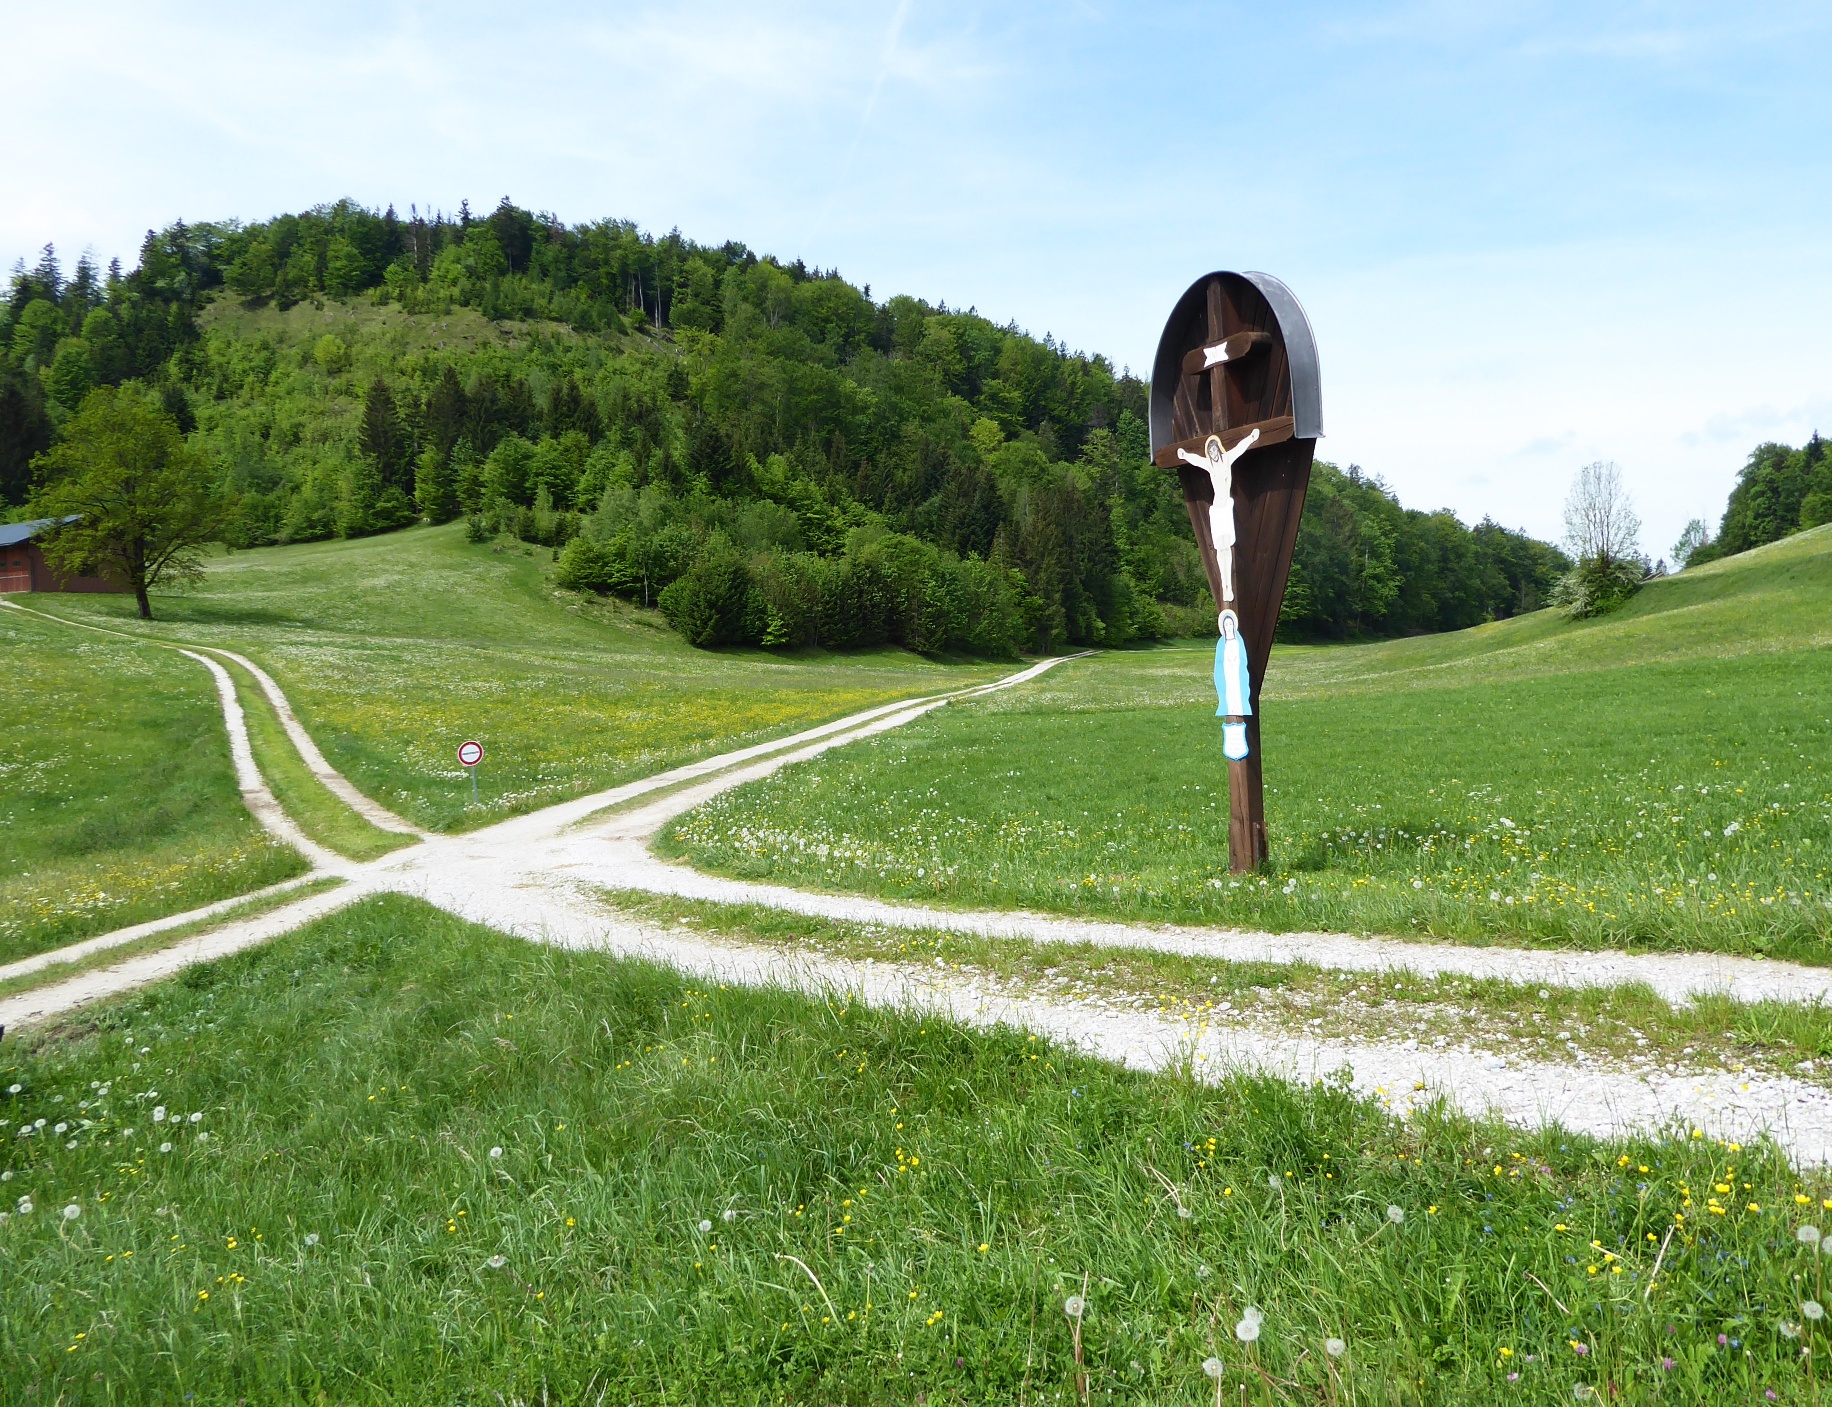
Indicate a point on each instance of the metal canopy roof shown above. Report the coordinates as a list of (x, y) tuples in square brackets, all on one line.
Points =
[(12, 534)]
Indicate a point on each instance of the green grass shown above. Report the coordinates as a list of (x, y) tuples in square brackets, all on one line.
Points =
[(253, 906), (330, 1228), (396, 649), (1625, 1026), (312, 806), (117, 799), (1656, 779)]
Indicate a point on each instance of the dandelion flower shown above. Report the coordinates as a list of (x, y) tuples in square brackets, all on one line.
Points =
[(1788, 1329), (496, 1152), (1396, 1214), (705, 1226), (197, 1118), (1807, 1235), (72, 1212), (25, 1206), (1185, 1213), (159, 1114), (1247, 1330), (14, 1089), (1274, 1183), (165, 1148), (497, 1262), (1813, 1310), (311, 1238), (728, 1216), (1073, 1306), (1212, 1366), (1335, 1348), (59, 1128)]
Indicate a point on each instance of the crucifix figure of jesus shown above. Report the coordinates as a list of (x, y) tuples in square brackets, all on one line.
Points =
[(1219, 463)]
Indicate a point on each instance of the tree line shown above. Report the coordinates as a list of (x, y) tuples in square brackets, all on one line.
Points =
[(759, 447), (1779, 490)]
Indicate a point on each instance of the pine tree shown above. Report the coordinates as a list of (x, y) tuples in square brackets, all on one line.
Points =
[(383, 439)]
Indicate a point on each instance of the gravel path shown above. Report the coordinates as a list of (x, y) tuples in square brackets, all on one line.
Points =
[(539, 876)]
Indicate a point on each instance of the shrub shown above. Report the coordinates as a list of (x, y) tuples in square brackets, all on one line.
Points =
[(587, 565), (1596, 586), (715, 603)]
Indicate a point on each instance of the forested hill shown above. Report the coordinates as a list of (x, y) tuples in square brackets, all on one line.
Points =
[(759, 446)]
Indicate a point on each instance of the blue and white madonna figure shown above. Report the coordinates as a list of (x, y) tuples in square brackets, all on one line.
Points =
[(1233, 688)]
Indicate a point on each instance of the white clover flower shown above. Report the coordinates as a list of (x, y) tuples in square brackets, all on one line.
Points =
[(1396, 1215), (1807, 1235), (1813, 1309), (496, 1152), (165, 1148), (72, 1212), (497, 1262), (728, 1216), (1212, 1366), (1073, 1306), (159, 1114), (311, 1238), (705, 1226), (1335, 1348)]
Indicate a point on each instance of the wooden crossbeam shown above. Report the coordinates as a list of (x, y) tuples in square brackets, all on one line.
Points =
[(1229, 349), (1271, 432)]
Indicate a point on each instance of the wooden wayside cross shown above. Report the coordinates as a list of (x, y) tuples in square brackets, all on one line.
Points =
[(1236, 412)]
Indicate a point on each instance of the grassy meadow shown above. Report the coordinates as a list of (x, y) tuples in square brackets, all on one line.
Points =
[(396, 649), (312, 806), (394, 1157), (118, 801), (1654, 779)]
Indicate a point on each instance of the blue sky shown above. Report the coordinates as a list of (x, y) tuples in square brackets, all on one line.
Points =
[(1528, 235)]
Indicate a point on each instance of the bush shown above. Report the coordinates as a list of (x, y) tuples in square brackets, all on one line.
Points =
[(1595, 587), (587, 565), (715, 603)]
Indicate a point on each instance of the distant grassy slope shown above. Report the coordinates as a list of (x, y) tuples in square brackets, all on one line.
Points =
[(1655, 778), (396, 649), (117, 799)]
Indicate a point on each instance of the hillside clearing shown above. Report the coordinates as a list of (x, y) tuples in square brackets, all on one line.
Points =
[(396, 649)]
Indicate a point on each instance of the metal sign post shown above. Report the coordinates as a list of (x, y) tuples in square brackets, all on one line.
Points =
[(470, 754), (1236, 411)]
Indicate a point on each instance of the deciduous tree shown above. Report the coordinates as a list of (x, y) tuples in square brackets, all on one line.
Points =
[(143, 503)]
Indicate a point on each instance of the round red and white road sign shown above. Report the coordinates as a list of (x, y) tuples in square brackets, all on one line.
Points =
[(470, 754)]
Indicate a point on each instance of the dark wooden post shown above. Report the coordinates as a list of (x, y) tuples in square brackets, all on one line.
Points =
[(1237, 358)]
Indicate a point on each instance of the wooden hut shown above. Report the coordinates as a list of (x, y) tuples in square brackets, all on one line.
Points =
[(23, 566)]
